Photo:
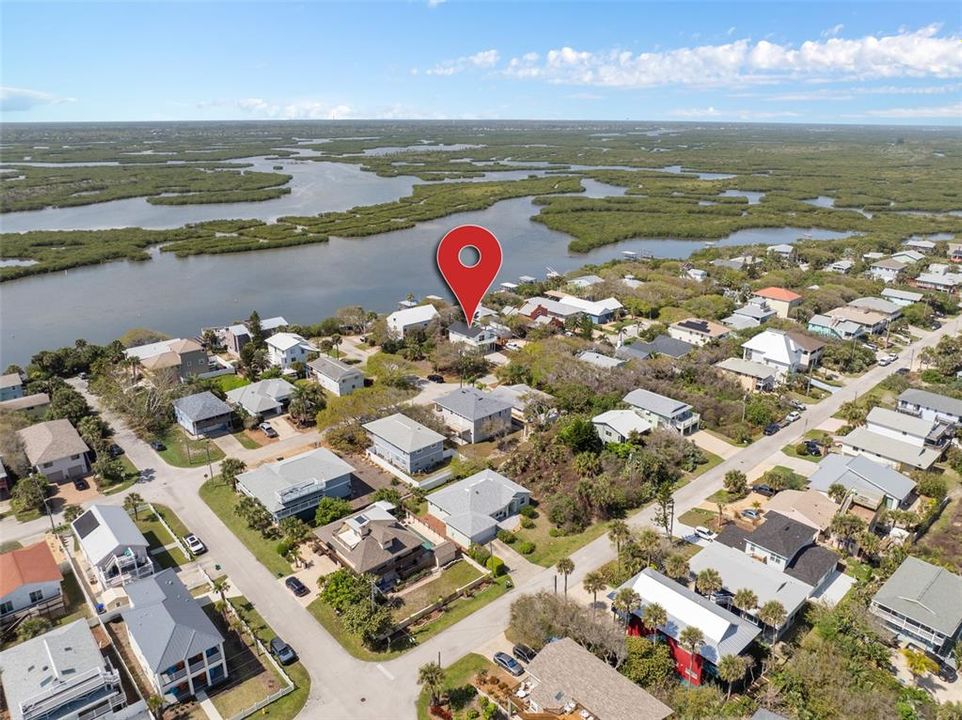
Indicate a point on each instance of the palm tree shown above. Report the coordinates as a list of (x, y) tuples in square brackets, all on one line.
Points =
[(647, 541), (154, 704), (691, 638), (745, 600), (721, 512), (654, 616), (221, 585), (71, 513), (837, 492), (772, 614), (431, 677), (625, 601), (676, 566), (230, 468), (565, 566), (335, 343), (594, 583), (132, 504), (618, 533), (731, 669), (708, 581)]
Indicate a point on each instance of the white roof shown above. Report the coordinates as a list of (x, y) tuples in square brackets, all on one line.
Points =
[(592, 307), (624, 422), (777, 346), (739, 366), (285, 341), (280, 483), (103, 529), (403, 432), (413, 316), (901, 422), (599, 360)]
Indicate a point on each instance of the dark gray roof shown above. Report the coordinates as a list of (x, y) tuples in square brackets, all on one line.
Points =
[(472, 403), (732, 536), (461, 328), (202, 406), (932, 400), (926, 593), (782, 535), (666, 345), (812, 563), (167, 624), (635, 351)]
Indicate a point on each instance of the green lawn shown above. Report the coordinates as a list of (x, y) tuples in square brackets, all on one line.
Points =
[(549, 550), (246, 440), (27, 515), (156, 534), (221, 499), (9, 545), (76, 605), (230, 382), (453, 577), (697, 516), (823, 437), (182, 451), (457, 676), (724, 497), (131, 473), (713, 460)]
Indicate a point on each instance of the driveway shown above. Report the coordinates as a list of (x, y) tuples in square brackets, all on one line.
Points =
[(708, 442)]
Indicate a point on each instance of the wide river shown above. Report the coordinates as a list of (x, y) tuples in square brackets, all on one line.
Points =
[(304, 283)]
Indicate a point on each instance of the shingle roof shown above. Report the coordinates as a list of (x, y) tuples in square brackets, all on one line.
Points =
[(564, 671), (812, 564), (739, 366), (702, 327), (461, 328), (805, 342), (655, 403), (518, 395), (634, 351), (262, 396), (900, 422), (889, 264), (277, 484), (733, 536), (51, 440), (471, 502), (861, 475), (923, 592), (862, 438), (284, 341), (27, 402), (782, 535), (934, 401), (471, 403), (665, 345), (26, 566), (202, 406), (165, 622), (105, 528), (808, 506), (403, 432), (369, 538), (331, 368), (876, 305)]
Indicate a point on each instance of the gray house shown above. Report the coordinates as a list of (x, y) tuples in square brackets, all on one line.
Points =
[(263, 398), (296, 485), (405, 443), (472, 508), (202, 414), (335, 376), (474, 415), (922, 603), (178, 647), (871, 481), (930, 406), (664, 411)]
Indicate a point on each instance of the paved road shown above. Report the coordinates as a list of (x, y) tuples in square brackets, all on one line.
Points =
[(343, 687)]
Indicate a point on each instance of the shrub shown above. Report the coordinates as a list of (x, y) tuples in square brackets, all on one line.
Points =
[(527, 511), (527, 523), (506, 536), (473, 714), (479, 554), (526, 547), (283, 547), (801, 449), (496, 566)]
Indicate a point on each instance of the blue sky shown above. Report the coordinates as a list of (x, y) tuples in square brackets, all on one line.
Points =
[(864, 62)]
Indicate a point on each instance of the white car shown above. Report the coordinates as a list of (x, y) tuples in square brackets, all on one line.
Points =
[(704, 533), (793, 416), (194, 544)]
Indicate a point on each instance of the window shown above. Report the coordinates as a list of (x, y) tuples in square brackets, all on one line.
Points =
[(6, 607), (211, 652), (36, 596)]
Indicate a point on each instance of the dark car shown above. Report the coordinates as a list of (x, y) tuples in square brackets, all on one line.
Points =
[(157, 445), (80, 484), (436, 378), (115, 450), (772, 428), (813, 448), (508, 663), (296, 586), (523, 653), (766, 490), (282, 651), (902, 371)]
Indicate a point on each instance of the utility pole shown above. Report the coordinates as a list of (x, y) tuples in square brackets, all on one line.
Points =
[(46, 505), (207, 448)]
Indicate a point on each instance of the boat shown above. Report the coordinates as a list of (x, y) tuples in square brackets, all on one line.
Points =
[(552, 273), (629, 253), (527, 279)]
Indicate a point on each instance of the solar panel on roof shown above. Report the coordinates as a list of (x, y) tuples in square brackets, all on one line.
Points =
[(86, 524)]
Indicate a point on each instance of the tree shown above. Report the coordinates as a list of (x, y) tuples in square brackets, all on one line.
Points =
[(29, 493), (736, 483), (431, 677), (618, 533), (580, 435), (731, 669), (221, 585), (230, 468), (837, 492), (594, 583), (647, 542), (846, 528), (691, 638), (853, 413), (773, 614), (565, 566), (625, 601), (307, 401), (676, 566), (919, 664), (132, 504), (33, 627), (647, 663), (654, 616), (71, 513), (708, 581), (368, 622), (330, 509), (155, 703), (294, 530), (745, 600), (93, 430)]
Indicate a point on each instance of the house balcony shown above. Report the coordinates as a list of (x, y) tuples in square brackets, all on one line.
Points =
[(685, 423), (87, 689)]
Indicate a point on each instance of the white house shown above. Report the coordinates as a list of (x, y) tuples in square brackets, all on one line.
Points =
[(605, 362), (618, 426), (840, 267), (401, 322), (115, 549), (887, 270), (405, 443), (752, 376), (335, 376), (908, 428), (480, 337), (697, 332), (284, 349), (472, 508), (29, 583), (664, 411), (55, 450), (902, 297), (930, 406), (777, 350)]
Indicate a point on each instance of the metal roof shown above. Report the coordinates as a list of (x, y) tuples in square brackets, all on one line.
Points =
[(861, 475), (655, 403), (403, 432), (925, 593), (105, 529), (624, 422), (279, 483), (932, 401), (331, 368), (863, 439)]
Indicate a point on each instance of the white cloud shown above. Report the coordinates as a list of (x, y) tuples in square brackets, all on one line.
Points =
[(482, 60), (907, 54), (742, 115), (290, 110), (21, 99), (833, 31), (953, 111)]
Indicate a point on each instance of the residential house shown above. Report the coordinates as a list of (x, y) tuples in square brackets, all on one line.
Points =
[(782, 250), (11, 386), (782, 301), (903, 298), (663, 411), (909, 428), (372, 541), (284, 349), (634, 351), (239, 335), (115, 549), (696, 274), (405, 443), (605, 362), (30, 583), (947, 282), (473, 415), (585, 281), (178, 647), (598, 311), (752, 376), (566, 681), (892, 311), (840, 267), (739, 262), (872, 322), (885, 449), (887, 270), (202, 414), (810, 349), (335, 376), (922, 604), (520, 397), (471, 509), (789, 545), (61, 674), (909, 257), (262, 398), (724, 632), (549, 310), (33, 405), (618, 426), (664, 345), (697, 332), (480, 337), (294, 486), (808, 507), (755, 312), (920, 245), (862, 477), (930, 406), (777, 349), (402, 322), (833, 327), (180, 358), (55, 450)]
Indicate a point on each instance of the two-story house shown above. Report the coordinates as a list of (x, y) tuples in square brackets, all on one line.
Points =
[(663, 411), (405, 443), (284, 349), (474, 415), (115, 549), (782, 301), (30, 583), (930, 406), (11, 386), (778, 350), (834, 327), (480, 337), (262, 398), (472, 508), (402, 322), (887, 270), (337, 377), (55, 450), (179, 358), (877, 483), (697, 332), (203, 413)]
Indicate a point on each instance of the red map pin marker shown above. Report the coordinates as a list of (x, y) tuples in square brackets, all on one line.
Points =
[(469, 283)]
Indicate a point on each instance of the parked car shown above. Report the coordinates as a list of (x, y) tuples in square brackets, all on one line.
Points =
[(268, 430), (194, 544), (751, 513), (157, 445), (282, 651), (704, 533), (436, 378), (512, 345), (115, 450), (296, 586), (885, 360), (902, 371), (508, 663), (80, 484), (793, 416), (766, 490), (813, 448), (523, 653), (772, 428)]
